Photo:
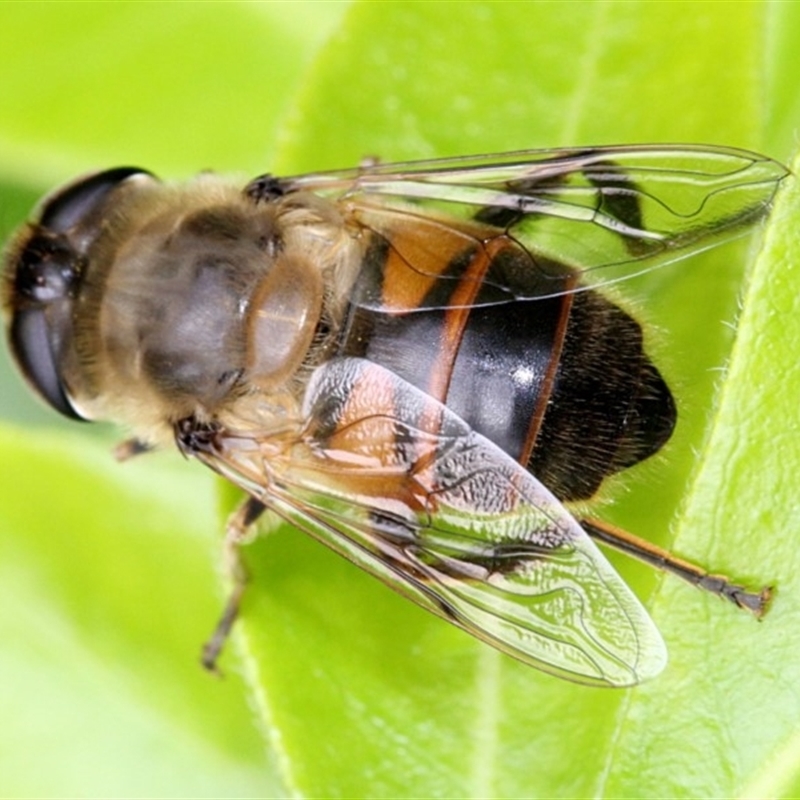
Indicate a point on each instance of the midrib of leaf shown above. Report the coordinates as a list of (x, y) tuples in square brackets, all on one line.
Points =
[(262, 714)]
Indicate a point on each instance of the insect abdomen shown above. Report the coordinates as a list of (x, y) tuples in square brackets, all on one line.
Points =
[(609, 407), (562, 384)]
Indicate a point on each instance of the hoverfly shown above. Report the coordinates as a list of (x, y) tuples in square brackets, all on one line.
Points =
[(413, 363)]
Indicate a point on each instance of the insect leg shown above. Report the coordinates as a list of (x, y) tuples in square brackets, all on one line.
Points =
[(237, 530), (130, 448), (755, 602)]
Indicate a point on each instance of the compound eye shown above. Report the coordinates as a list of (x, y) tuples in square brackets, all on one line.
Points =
[(30, 340), (47, 270), (45, 279), (44, 274), (77, 203)]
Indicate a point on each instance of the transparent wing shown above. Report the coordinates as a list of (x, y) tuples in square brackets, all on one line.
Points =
[(398, 484), (597, 214)]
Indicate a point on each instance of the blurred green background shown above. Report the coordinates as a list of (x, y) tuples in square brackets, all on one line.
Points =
[(336, 687)]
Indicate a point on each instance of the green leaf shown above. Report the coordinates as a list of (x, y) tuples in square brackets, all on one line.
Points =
[(393, 703), (107, 584), (175, 87)]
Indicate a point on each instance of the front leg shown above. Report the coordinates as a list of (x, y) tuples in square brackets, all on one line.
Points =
[(241, 458), (237, 530), (130, 448)]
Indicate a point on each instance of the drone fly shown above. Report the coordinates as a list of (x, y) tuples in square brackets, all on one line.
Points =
[(413, 363)]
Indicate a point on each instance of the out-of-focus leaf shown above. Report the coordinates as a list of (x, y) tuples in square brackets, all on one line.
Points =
[(107, 582), (173, 87), (104, 584)]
